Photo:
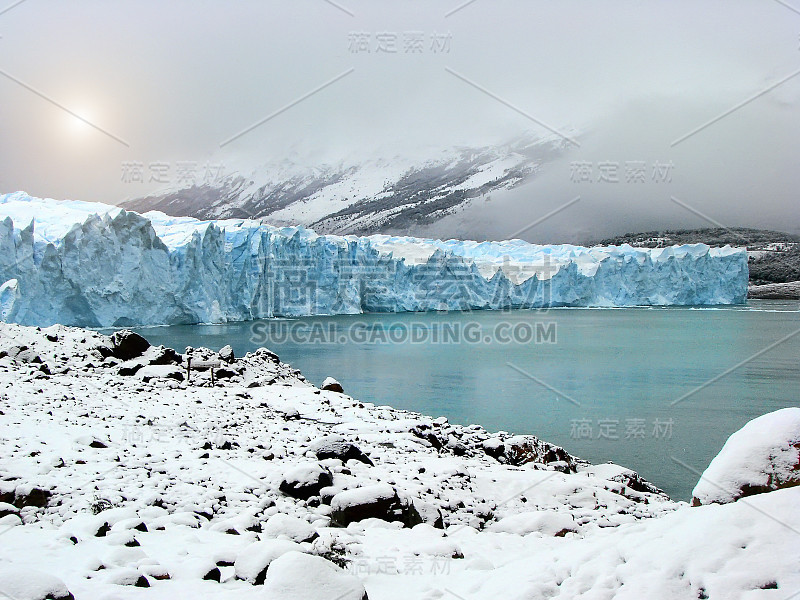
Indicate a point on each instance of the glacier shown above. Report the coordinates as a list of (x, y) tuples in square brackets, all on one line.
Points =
[(97, 265)]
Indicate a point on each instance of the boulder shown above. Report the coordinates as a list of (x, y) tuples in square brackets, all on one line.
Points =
[(162, 355), (378, 501), (298, 576), (126, 345), (25, 584), (423, 512), (27, 495), (226, 354), (425, 432), (523, 449), (305, 481), (223, 373), (129, 369), (340, 448), (331, 385), (7, 509), (288, 527), (494, 447), (253, 562), (456, 446), (762, 456), (29, 356)]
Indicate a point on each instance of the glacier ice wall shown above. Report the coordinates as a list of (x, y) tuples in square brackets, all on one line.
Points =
[(96, 265)]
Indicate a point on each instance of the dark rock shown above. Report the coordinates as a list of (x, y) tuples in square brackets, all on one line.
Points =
[(378, 501), (128, 370), (35, 497), (426, 433), (456, 447), (213, 575), (127, 345), (342, 450), (635, 481), (521, 450), (142, 582), (417, 512), (223, 373), (104, 351), (305, 481), (165, 356), (103, 530), (98, 444), (494, 447), (331, 385)]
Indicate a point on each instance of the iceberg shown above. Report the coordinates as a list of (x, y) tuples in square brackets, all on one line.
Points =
[(97, 265)]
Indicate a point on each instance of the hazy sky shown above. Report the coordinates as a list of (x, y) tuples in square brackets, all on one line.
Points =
[(169, 82)]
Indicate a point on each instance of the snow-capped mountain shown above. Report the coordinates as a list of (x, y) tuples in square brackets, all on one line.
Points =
[(373, 196)]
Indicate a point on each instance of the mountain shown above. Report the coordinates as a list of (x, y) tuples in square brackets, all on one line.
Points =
[(374, 196)]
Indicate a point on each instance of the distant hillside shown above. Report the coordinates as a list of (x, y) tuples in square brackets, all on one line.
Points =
[(376, 195), (774, 255)]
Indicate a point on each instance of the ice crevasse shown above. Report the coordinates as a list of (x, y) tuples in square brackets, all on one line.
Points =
[(96, 265)]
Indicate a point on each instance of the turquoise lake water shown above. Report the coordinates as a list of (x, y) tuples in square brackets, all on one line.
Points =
[(643, 388)]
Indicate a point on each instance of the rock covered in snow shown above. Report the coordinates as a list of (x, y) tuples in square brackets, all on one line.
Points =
[(289, 527), (339, 448), (298, 576), (331, 385), (254, 561), (226, 354), (762, 456), (379, 501), (25, 584), (306, 480)]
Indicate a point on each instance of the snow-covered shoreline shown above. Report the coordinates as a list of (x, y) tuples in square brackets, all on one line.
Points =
[(116, 472)]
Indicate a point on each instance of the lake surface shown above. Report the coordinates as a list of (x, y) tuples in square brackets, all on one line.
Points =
[(633, 386)]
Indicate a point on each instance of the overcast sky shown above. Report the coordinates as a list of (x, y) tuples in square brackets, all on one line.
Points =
[(170, 82)]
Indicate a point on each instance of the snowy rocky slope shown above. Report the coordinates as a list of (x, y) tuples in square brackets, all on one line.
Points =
[(120, 479), (362, 197), (94, 265)]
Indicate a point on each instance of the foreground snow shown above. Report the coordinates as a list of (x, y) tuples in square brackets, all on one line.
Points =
[(125, 481), (79, 263), (763, 455)]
